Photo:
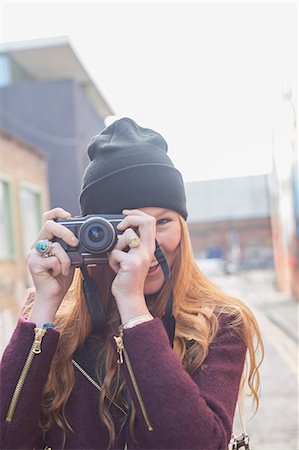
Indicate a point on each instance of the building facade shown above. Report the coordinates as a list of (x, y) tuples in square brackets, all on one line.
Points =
[(23, 196), (229, 220), (49, 102)]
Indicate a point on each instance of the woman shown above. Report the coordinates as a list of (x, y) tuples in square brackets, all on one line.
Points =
[(92, 364)]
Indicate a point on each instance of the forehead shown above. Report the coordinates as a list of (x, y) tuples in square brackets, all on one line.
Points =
[(158, 212)]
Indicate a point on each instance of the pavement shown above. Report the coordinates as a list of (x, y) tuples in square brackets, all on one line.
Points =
[(275, 426)]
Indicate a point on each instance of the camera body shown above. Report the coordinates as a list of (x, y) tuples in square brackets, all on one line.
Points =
[(97, 235)]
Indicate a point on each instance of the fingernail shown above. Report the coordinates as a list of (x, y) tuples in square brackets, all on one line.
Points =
[(74, 240)]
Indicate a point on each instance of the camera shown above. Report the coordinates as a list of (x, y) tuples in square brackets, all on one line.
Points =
[(97, 235)]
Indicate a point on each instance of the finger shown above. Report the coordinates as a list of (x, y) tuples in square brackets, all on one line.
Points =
[(125, 238), (56, 266), (130, 212), (114, 259), (129, 217), (121, 260), (39, 264), (64, 260), (145, 225), (140, 221), (56, 213), (52, 229)]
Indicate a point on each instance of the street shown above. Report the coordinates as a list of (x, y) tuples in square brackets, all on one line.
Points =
[(275, 426)]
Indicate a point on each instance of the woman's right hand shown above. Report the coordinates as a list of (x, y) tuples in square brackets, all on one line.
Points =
[(52, 275)]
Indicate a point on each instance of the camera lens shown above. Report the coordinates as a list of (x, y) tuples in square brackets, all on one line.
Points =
[(96, 234)]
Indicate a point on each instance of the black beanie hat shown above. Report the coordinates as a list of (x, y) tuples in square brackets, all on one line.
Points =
[(130, 169)]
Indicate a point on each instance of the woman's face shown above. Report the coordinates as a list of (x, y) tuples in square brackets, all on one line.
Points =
[(168, 235)]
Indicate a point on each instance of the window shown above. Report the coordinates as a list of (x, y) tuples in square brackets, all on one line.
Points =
[(30, 208), (11, 72), (6, 225), (5, 71)]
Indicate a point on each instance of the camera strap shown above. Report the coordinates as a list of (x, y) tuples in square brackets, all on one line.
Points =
[(93, 301), (168, 318)]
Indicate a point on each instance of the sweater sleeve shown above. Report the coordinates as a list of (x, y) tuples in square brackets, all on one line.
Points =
[(175, 410), (23, 373)]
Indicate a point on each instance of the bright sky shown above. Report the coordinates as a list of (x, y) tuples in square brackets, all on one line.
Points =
[(207, 75)]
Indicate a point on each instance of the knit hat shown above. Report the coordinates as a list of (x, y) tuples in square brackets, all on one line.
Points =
[(130, 169)]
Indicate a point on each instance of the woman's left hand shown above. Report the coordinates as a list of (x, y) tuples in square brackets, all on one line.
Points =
[(132, 267)]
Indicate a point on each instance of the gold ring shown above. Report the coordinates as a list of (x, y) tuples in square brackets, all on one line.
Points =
[(134, 242)]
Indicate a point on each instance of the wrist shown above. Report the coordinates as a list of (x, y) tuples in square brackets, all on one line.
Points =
[(131, 309), (136, 321), (42, 312), (41, 318)]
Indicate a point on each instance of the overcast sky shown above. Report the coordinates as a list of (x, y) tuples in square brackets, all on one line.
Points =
[(207, 75)]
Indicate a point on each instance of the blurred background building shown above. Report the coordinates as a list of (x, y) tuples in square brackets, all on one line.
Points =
[(230, 223), (48, 100), (24, 195), (248, 223)]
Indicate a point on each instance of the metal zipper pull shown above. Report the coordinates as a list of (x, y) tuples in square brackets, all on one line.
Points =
[(39, 334), (120, 348)]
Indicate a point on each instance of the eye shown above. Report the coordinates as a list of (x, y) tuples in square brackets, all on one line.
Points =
[(163, 221)]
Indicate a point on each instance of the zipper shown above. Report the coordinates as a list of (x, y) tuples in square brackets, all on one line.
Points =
[(96, 385), (34, 350), (123, 356)]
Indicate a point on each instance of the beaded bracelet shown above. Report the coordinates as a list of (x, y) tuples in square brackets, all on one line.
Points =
[(136, 321), (47, 325)]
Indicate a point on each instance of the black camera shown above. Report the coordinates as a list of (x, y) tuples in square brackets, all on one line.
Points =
[(97, 236)]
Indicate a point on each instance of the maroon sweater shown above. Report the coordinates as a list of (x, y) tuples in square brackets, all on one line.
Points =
[(177, 411)]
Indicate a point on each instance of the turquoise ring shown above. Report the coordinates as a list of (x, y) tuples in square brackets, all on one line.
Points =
[(44, 247)]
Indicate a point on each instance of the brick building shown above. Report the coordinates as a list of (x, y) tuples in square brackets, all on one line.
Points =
[(229, 220), (23, 195)]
